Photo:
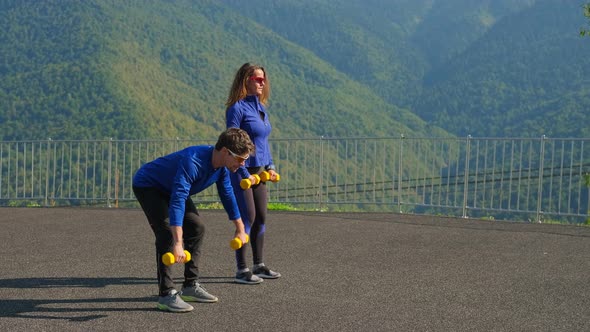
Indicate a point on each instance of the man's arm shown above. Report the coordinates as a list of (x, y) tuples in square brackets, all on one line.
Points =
[(228, 199), (240, 230), (177, 244), (226, 195), (186, 174)]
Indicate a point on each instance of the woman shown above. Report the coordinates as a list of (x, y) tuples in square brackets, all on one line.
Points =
[(246, 110)]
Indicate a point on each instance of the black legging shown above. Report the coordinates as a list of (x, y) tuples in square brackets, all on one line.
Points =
[(155, 205), (253, 204)]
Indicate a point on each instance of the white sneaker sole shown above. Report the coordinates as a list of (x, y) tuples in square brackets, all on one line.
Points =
[(198, 299), (246, 282), (266, 276), (164, 307)]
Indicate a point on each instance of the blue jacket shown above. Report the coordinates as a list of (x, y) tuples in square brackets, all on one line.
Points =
[(184, 173), (248, 114)]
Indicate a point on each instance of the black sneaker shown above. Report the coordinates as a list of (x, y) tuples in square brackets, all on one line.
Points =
[(246, 277), (265, 273)]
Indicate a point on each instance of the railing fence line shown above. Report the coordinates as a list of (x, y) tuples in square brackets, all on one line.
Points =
[(532, 179)]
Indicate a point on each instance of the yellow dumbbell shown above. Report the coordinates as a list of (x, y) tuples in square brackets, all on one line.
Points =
[(168, 258), (246, 183), (236, 243), (265, 176)]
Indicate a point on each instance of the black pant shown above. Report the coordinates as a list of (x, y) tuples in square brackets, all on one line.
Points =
[(155, 205), (253, 205)]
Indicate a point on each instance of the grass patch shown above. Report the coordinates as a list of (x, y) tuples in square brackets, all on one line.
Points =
[(282, 207)]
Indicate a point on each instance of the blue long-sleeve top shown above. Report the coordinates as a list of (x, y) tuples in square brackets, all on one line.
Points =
[(250, 115), (184, 173)]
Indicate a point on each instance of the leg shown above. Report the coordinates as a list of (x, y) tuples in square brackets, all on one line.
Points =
[(155, 206), (242, 198), (193, 231), (246, 205), (259, 205), (260, 199)]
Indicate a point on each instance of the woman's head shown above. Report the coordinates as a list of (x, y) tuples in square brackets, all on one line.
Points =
[(250, 79)]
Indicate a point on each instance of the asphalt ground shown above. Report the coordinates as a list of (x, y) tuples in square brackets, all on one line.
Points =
[(74, 269)]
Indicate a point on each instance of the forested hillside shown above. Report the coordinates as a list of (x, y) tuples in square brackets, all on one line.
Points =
[(387, 45), (162, 69), (52, 74), (159, 69), (485, 68), (527, 76)]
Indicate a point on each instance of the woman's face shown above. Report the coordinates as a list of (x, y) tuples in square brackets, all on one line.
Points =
[(255, 83)]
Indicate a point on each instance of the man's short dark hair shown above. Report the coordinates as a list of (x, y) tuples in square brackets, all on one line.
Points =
[(236, 140)]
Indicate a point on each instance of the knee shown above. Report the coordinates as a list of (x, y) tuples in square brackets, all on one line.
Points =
[(194, 229), (199, 229)]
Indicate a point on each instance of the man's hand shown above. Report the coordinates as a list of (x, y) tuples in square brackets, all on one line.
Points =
[(177, 245)]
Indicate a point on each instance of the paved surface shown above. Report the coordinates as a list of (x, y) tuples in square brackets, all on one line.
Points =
[(93, 270)]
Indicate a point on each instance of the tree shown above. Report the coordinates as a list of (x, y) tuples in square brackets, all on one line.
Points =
[(586, 7)]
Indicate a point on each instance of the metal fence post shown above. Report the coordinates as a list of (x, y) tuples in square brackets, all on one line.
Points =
[(399, 174), (540, 187), (466, 176), (320, 193), (47, 172), (1, 166), (110, 167)]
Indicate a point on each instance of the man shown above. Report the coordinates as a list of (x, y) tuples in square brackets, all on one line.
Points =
[(163, 188)]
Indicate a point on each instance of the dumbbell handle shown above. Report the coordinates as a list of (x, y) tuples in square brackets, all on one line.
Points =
[(246, 183), (168, 258), (236, 243)]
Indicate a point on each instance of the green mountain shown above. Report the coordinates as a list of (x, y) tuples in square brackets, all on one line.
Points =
[(527, 77), (485, 68), (389, 45), (162, 69)]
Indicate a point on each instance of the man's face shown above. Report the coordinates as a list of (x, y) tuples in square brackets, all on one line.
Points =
[(234, 160)]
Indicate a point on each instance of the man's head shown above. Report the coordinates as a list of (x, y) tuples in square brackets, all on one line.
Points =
[(237, 144)]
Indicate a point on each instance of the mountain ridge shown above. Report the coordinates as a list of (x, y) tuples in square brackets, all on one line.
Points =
[(162, 69)]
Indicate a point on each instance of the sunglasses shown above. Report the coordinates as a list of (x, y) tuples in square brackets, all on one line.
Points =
[(237, 157), (258, 80)]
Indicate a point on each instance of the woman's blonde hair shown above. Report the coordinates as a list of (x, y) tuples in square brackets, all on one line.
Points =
[(238, 88)]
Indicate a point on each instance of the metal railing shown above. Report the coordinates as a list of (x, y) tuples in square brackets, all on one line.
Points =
[(532, 179)]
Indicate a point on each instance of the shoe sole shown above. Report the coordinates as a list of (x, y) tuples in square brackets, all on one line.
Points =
[(265, 276), (245, 282), (197, 299), (164, 307)]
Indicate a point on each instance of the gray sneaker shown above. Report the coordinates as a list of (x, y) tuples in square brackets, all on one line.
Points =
[(173, 303), (264, 272), (197, 293), (246, 277)]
